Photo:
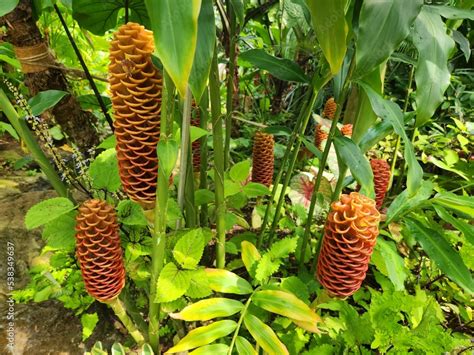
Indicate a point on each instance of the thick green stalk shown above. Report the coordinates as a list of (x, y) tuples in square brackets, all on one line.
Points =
[(191, 215), (230, 84), (204, 105), (119, 310), (24, 132), (317, 84), (218, 139), (405, 107), (284, 161), (185, 149), (159, 228), (322, 166)]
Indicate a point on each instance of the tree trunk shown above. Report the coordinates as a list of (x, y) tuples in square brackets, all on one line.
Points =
[(24, 35)]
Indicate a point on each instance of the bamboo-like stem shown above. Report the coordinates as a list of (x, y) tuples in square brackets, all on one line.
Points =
[(24, 132), (218, 139), (185, 150), (85, 68), (284, 161), (230, 84), (405, 107), (322, 166), (159, 229), (121, 313), (191, 215), (203, 106), (239, 324), (316, 86)]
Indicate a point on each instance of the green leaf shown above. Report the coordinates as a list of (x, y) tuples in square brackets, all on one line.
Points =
[(44, 100), (297, 287), (203, 196), (209, 309), (329, 23), (451, 12), (88, 322), (393, 263), (146, 350), (214, 349), (264, 335), (463, 43), (350, 153), (117, 349), (9, 128), (131, 213), (441, 252), (224, 281), (204, 335), (231, 188), (175, 41), (99, 16), (465, 228), (167, 151), (383, 25), (283, 248), (266, 267), (238, 7), (285, 304), (199, 287), (197, 132), (463, 204), (189, 248), (254, 189), (7, 6), (283, 69), (240, 171), (172, 283), (244, 347), (434, 47), (46, 211), (206, 37), (390, 111), (108, 142), (250, 256), (104, 171), (59, 233), (404, 203)]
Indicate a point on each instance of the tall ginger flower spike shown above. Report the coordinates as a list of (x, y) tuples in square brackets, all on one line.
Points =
[(263, 158), (349, 238), (135, 88)]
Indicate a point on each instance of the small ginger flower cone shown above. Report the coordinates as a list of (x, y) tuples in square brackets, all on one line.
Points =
[(330, 108), (196, 145), (381, 171), (263, 158), (350, 235), (346, 130), (135, 88), (320, 135), (98, 250)]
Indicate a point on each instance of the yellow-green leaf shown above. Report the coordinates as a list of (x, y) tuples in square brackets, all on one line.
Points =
[(285, 304), (224, 281), (264, 336), (209, 309), (250, 256), (244, 347), (214, 349), (204, 335)]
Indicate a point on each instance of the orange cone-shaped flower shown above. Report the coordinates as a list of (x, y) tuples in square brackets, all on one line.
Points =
[(196, 145), (346, 130), (381, 171), (263, 159), (135, 88), (320, 135), (330, 108), (98, 250), (349, 238)]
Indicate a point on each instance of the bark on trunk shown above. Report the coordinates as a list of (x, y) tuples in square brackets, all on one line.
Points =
[(22, 32)]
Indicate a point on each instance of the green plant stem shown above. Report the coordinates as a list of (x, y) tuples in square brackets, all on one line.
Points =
[(121, 313), (239, 324), (134, 312), (159, 228), (204, 105), (322, 165), (230, 84), (284, 161), (218, 138), (185, 149), (24, 132), (316, 86), (405, 107), (189, 206)]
